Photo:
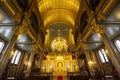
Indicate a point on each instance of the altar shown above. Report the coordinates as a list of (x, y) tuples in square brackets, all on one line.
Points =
[(59, 64), (59, 60)]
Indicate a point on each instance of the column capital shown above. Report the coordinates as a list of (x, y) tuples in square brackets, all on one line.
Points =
[(17, 17), (20, 30), (16, 30), (97, 28)]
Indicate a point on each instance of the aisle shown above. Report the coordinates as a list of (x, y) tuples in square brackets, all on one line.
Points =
[(60, 78)]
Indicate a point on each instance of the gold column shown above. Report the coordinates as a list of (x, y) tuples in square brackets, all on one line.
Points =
[(29, 64), (40, 59), (71, 38), (90, 62), (47, 38), (90, 66)]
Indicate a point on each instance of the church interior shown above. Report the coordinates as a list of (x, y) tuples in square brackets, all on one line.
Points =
[(59, 39)]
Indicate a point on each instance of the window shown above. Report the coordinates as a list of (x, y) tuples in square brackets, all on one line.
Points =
[(16, 57), (117, 44), (102, 56), (1, 46)]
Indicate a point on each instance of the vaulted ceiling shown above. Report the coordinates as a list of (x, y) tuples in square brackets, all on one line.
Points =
[(58, 15), (58, 11)]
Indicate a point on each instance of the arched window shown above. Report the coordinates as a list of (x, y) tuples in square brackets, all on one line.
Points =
[(103, 56), (34, 21), (1, 46), (16, 57), (83, 20), (117, 44)]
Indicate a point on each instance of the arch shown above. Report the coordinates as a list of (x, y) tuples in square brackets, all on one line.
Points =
[(59, 64), (53, 16), (50, 5), (34, 21), (83, 20)]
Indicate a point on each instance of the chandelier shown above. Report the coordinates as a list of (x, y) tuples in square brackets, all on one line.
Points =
[(59, 45)]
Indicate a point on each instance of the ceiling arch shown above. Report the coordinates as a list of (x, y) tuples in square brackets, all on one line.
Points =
[(64, 17), (61, 11), (47, 5)]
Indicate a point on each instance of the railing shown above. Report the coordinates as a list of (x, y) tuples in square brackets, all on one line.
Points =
[(77, 76), (82, 76), (41, 76)]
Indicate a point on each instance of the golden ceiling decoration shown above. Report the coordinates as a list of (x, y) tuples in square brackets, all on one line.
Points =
[(59, 15), (58, 11)]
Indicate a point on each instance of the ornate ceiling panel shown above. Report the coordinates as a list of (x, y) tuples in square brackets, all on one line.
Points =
[(58, 11)]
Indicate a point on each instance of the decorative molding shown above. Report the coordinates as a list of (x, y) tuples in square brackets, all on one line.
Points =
[(97, 28), (20, 30), (16, 30)]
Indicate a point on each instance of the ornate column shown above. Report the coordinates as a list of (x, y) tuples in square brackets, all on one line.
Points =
[(89, 62), (29, 64), (40, 60), (100, 29), (7, 51)]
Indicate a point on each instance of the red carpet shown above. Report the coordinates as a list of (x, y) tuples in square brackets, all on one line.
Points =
[(59, 77)]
